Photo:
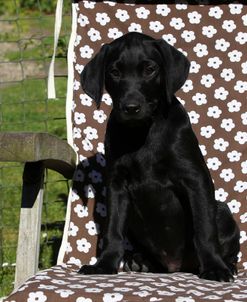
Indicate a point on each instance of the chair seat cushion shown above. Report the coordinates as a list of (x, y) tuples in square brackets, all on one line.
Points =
[(63, 283)]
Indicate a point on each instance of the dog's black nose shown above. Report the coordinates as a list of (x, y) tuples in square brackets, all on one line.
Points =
[(132, 108)]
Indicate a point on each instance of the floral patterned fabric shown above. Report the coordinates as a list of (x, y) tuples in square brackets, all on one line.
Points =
[(214, 38)]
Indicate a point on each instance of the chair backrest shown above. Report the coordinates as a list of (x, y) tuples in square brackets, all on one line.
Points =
[(214, 39)]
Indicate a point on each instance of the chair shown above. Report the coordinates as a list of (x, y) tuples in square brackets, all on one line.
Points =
[(214, 38)]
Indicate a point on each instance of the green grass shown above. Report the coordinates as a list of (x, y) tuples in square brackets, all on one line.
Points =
[(24, 107)]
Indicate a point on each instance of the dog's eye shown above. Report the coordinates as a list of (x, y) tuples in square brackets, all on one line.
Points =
[(149, 70), (115, 73)]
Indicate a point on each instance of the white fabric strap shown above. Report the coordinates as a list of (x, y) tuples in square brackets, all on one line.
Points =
[(57, 28)]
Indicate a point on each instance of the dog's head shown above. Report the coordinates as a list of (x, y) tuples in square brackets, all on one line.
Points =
[(141, 75)]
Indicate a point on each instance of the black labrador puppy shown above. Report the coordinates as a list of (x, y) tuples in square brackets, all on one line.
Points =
[(158, 185)]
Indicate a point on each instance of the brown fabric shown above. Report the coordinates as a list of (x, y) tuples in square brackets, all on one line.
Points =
[(214, 39)]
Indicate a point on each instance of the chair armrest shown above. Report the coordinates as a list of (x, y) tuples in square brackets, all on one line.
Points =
[(38, 151), (55, 153)]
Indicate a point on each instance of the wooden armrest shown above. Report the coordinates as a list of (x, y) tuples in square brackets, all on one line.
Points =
[(38, 151), (55, 153)]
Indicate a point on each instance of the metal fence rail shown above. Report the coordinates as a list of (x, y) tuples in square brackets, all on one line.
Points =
[(26, 47)]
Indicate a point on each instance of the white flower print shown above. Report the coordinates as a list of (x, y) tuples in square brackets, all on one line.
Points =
[(235, 9), (227, 175), (169, 38), (75, 261), (194, 117), (93, 228), (209, 31), (234, 106), (240, 186), (142, 13), (64, 293), (112, 297), (156, 26), (194, 17), (68, 250), (84, 161), (94, 35), (243, 219), (177, 23), (134, 27), (243, 237), (241, 38), (89, 4), (101, 209), (214, 112), (227, 124), (207, 131), (101, 148), (194, 67), (234, 156), (244, 18), (214, 62), (77, 40), (241, 86), (102, 18), (82, 299), (107, 99), (87, 145), (74, 196), (83, 20), (188, 86), (76, 85), (99, 116), (81, 211), (229, 25), (241, 137), (221, 195), (244, 67), (76, 133), (36, 297), (222, 44), (86, 100), (213, 163), (201, 50), (234, 206), (220, 144), (114, 33), (95, 176), (89, 191), (244, 118), (207, 80), (163, 10), (203, 150), (79, 118), (122, 15), (185, 299), (235, 56), (227, 74), (48, 287), (215, 12), (200, 98), (73, 229), (83, 245), (91, 133), (188, 35), (221, 93), (79, 68), (244, 167), (181, 5), (86, 52)]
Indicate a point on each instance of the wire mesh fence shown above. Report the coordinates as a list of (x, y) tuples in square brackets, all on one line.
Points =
[(26, 47)]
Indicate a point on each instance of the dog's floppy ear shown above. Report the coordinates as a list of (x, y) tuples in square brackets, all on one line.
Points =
[(176, 66), (93, 75)]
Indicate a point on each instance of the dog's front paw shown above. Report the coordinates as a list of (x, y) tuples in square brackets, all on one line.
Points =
[(222, 275), (97, 269)]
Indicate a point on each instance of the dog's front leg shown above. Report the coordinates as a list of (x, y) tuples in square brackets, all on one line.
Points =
[(113, 250), (200, 192)]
